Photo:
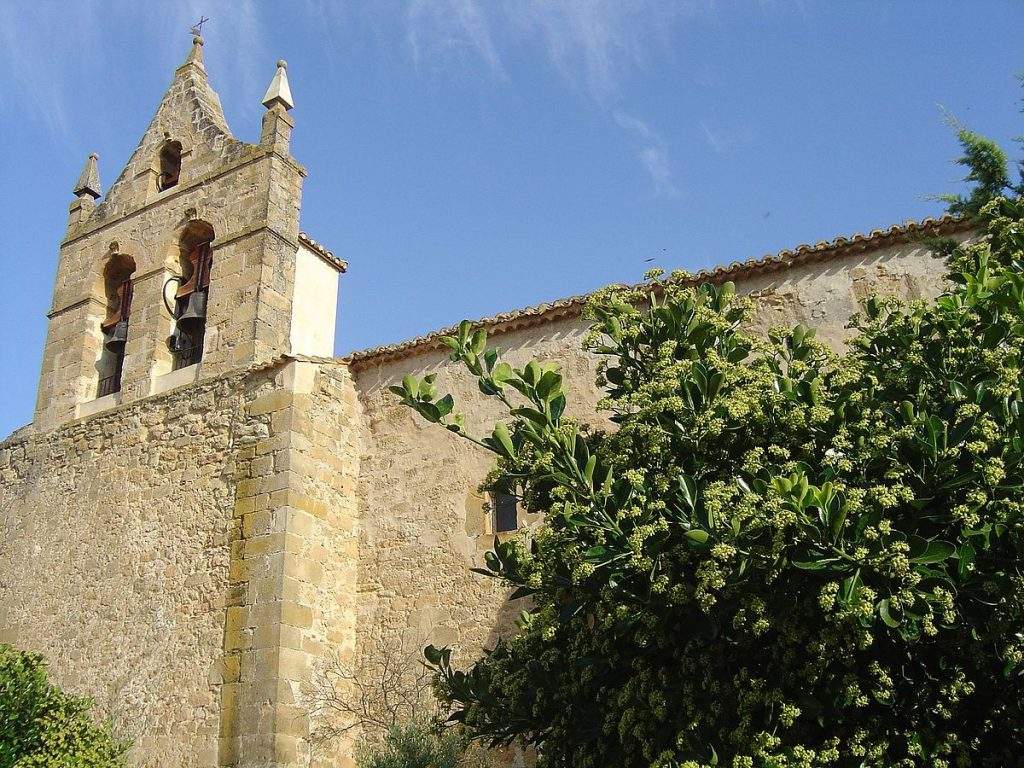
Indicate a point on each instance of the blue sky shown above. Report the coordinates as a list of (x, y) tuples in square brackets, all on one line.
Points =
[(472, 156)]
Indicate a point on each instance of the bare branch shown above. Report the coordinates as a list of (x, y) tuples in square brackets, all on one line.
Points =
[(387, 684)]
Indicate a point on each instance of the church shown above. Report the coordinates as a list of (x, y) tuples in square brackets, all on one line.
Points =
[(208, 506)]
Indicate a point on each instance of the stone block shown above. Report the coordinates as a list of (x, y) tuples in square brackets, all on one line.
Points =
[(270, 402), (296, 615)]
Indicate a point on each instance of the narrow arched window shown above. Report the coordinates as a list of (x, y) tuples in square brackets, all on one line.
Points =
[(170, 165), (193, 292), (117, 285)]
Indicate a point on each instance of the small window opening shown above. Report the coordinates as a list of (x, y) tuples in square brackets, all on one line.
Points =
[(117, 285), (170, 165), (504, 510), (191, 298)]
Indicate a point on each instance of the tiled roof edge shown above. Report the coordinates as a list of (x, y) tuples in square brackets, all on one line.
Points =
[(573, 305), (320, 250)]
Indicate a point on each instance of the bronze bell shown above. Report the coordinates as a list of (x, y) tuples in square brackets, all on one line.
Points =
[(114, 339), (177, 342), (194, 314)]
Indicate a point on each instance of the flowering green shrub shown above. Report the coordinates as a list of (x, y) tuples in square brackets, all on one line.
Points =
[(780, 555), (43, 727)]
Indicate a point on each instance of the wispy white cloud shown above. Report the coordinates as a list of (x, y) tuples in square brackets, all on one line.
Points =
[(45, 46), (724, 141), (594, 46), (651, 151), (32, 39), (439, 29)]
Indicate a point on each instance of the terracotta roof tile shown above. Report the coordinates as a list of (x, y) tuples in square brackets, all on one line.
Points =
[(572, 306), (320, 250)]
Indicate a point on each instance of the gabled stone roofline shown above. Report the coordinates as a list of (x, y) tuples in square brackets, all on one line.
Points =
[(248, 154), (573, 306)]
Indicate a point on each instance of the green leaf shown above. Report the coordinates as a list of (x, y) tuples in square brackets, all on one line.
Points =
[(433, 655), (907, 410), (410, 384), (688, 487), (837, 517), (490, 358), (930, 551), (549, 385), (492, 561), (557, 407), (445, 405), (479, 341), (883, 611), (697, 535), (606, 486), (531, 373), (966, 556), (504, 440), (812, 565), (502, 372), (532, 414)]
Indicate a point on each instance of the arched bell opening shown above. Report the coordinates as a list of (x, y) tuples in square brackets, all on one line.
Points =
[(170, 165), (190, 298), (117, 288)]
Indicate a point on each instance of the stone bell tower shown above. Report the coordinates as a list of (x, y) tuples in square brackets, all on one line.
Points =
[(191, 265)]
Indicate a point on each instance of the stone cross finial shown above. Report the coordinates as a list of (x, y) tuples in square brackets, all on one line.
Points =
[(197, 28), (278, 92), (88, 183)]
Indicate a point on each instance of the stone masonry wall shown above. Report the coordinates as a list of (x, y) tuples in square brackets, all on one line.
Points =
[(250, 196), (114, 563), (293, 556), (187, 559)]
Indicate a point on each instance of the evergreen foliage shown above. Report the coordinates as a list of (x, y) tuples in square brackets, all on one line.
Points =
[(43, 727), (987, 172), (411, 745), (776, 555), (420, 744)]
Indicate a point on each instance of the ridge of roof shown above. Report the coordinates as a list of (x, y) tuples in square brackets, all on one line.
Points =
[(573, 305), (321, 250)]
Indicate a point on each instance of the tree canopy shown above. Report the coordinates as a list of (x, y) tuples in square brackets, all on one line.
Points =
[(43, 727)]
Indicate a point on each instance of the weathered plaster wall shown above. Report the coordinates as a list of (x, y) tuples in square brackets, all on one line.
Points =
[(314, 305), (422, 522)]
